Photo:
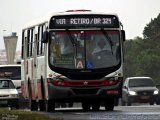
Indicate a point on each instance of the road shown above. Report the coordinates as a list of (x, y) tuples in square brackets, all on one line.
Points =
[(144, 112)]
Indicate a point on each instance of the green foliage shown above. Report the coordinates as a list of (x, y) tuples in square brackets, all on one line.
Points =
[(142, 56), (153, 28)]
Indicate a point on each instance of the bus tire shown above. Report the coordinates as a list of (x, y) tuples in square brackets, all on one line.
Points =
[(109, 104), (151, 102), (41, 105), (70, 104), (129, 103), (95, 105), (16, 106), (86, 106), (116, 101), (33, 105), (50, 105)]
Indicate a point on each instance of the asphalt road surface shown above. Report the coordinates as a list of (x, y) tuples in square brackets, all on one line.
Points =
[(142, 112)]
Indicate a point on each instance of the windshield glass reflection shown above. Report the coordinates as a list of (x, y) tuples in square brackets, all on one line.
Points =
[(84, 49)]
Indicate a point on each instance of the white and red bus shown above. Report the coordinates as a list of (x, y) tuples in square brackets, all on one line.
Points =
[(73, 56)]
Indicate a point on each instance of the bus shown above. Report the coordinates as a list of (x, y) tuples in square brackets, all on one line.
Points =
[(73, 56), (13, 72)]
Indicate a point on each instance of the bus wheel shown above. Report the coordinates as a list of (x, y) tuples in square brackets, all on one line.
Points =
[(129, 103), (86, 106), (33, 105), (41, 105), (70, 104), (109, 104), (16, 106), (95, 106), (50, 105), (151, 102)]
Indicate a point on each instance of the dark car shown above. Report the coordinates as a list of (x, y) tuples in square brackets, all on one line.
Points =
[(139, 90)]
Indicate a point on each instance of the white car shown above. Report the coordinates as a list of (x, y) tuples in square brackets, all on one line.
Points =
[(8, 93)]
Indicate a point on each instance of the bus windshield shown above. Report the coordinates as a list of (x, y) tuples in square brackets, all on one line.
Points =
[(12, 72), (84, 49)]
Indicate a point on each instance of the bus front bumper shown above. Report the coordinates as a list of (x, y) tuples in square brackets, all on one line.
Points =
[(59, 93)]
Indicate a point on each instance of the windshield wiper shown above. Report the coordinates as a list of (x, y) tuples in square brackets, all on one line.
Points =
[(108, 39), (71, 38), (73, 42)]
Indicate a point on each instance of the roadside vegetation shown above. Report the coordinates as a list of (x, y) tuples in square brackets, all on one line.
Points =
[(142, 55), (6, 114)]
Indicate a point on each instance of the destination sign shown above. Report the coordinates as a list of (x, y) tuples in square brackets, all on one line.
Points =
[(84, 21)]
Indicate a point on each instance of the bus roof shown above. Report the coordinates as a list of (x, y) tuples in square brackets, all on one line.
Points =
[(11, 65), (47, 18)]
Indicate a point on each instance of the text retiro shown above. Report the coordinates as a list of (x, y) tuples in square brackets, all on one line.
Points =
[(84, 21)]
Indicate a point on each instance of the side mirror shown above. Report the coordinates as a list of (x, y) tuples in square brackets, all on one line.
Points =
[(123, 35), (45, 37), (18, 87)]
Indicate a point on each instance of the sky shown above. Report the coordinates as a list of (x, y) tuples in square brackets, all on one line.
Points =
[(134, 14)]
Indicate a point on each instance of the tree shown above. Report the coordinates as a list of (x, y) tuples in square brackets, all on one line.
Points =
[(153, 28)]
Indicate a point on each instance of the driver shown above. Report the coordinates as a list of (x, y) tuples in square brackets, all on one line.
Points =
[(66, 45), (101, 45)]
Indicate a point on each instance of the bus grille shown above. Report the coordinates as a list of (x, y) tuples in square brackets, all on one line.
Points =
[(85, 91)]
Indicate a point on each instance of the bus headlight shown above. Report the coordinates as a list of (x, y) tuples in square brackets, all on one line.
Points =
[(155, 92), (132, 93)]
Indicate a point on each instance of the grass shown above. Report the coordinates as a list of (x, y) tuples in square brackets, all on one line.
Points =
[(6, 114)]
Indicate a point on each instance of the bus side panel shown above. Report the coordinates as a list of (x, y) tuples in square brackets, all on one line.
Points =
[(24, 81), (40, 77), (30, 79), (39, 90)]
